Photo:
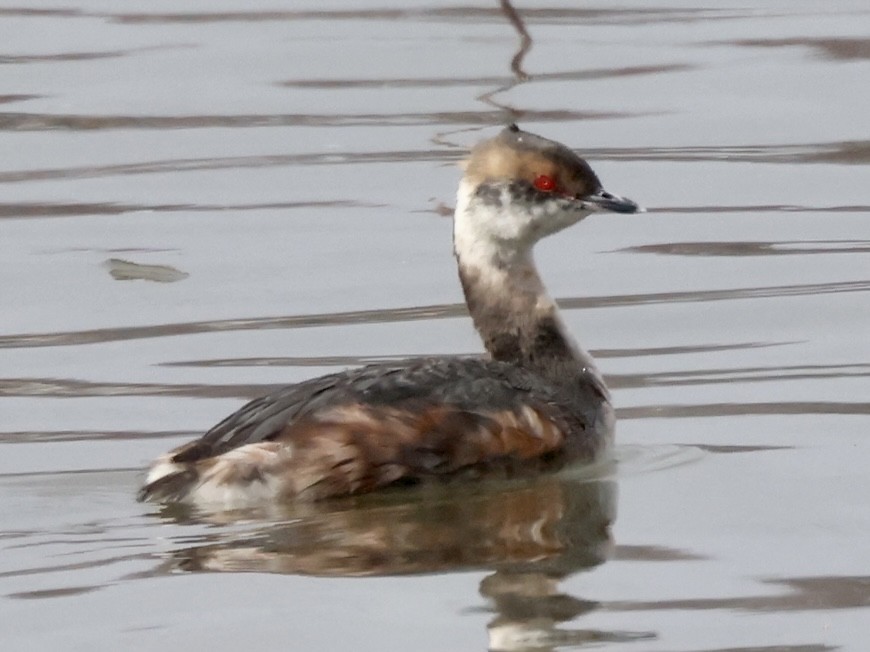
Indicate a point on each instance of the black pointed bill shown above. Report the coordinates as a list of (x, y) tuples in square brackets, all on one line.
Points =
[(604, 201)]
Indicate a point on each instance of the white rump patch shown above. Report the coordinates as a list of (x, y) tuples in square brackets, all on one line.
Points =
[(161, 468), (248, 475)]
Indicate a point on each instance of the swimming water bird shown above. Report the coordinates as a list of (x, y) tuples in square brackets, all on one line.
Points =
[(536, 402)]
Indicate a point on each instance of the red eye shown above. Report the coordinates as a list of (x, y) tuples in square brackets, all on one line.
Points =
[(545, 183)]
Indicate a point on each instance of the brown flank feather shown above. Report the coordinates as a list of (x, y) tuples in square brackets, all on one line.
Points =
[(355, 448)]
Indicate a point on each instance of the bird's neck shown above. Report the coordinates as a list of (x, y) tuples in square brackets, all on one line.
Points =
[(513, 313)]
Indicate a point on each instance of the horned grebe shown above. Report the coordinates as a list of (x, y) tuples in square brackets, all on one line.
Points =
[(536, 402)]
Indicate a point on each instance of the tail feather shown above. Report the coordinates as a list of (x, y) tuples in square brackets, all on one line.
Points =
[(245, 475), (172, 487)]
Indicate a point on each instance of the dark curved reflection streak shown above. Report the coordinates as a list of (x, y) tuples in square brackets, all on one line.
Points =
[(519, 25)]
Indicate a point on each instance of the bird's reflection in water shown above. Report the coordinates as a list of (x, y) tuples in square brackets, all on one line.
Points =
[(530, 533)]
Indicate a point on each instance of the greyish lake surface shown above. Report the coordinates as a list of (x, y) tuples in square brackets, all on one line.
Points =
[(202, 201)]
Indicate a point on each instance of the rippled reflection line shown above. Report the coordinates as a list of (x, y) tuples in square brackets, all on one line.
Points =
[(626, 16), (232, 163), (64, 388), (78, 122), (41, 570), (737, 375), (9, 98), (393, 315), (453, 82), (359, 360), (758, 248), (741, 409), (852, 152), (17, 59), (837, 49), (45, 436), (56, 474), (622, 15), (763, 208), (805, 594), (40, 210)]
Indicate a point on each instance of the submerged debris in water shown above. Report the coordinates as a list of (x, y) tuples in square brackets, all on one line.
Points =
[(124, 270)]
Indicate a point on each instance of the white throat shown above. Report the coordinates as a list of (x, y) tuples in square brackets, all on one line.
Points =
[(488, 240), (485, 234)]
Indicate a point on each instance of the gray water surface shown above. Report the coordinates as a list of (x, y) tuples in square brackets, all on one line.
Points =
[(201, 203)]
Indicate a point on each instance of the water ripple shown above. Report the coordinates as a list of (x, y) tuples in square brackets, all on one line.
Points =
[(768, 248), (837, 49), (391, 315), (803, 594), (77, 122), (851, 152), (454, 82), (742, 409), (40, 210)]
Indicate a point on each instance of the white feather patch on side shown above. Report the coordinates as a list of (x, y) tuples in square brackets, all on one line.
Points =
[(162, 467), (247, 475)]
